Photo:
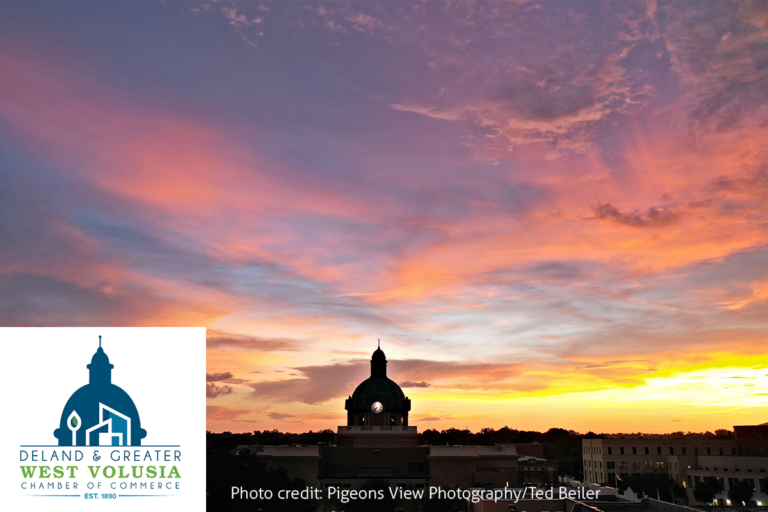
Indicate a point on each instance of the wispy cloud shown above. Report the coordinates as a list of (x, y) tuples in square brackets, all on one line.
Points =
[(653, 216), (213, 391), (410, 384), (434, 113), (216, 377), (221, 413), (281, 416), (223, 340)]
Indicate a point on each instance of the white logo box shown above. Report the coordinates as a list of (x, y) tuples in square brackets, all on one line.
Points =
[(161, 369)]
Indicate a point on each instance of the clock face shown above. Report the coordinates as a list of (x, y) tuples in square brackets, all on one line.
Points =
[(377, 407)]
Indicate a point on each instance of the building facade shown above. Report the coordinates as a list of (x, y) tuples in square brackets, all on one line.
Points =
[(687, 461)]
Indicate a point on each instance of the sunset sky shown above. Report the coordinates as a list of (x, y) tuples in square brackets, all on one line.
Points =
[(552, 214)]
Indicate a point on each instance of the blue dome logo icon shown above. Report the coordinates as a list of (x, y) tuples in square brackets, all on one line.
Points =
[(100, 413)]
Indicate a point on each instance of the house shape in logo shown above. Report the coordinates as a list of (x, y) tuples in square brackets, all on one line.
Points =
[(100, 413)]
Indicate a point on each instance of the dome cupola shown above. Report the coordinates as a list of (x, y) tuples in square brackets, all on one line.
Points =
[(379, 363), (378, 400)]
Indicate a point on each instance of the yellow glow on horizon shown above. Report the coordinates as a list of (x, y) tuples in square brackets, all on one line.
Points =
[(705, 392)]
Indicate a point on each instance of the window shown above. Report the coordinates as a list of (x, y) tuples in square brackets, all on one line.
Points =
[(339, 468), (331, 468), (634, 450), (411, 467), (621, 450), (610, 465), (375, 454), (419, 467), (764, 486), (671, 450), (696, 451), (721, 450), (660, 465), (733, 451), (732, 482), (649, 465), (683, 450), (610, 451), (658, 450), (647, 451), (709, 450), (635, 464), (623, 465)]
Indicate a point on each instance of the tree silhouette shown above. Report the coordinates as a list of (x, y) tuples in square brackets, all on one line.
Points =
[(706, 490), (652, 483), (741, 492)]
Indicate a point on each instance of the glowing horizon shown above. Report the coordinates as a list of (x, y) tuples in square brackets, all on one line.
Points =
[(553, 215)]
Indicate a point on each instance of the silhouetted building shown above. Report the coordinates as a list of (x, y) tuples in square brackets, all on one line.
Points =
[(378, 443)]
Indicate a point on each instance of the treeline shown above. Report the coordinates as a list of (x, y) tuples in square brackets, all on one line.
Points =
[(719, 433), (490, 437), (559, 444), (562, 445), (452, 436), (228, 440)]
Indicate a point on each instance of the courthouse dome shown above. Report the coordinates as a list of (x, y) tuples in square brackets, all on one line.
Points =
[(378, 388)]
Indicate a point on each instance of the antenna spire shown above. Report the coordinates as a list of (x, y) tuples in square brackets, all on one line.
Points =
[(379, 342), (99, 340)]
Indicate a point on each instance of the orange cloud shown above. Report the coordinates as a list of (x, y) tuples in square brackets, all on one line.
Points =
[(221, 413)]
